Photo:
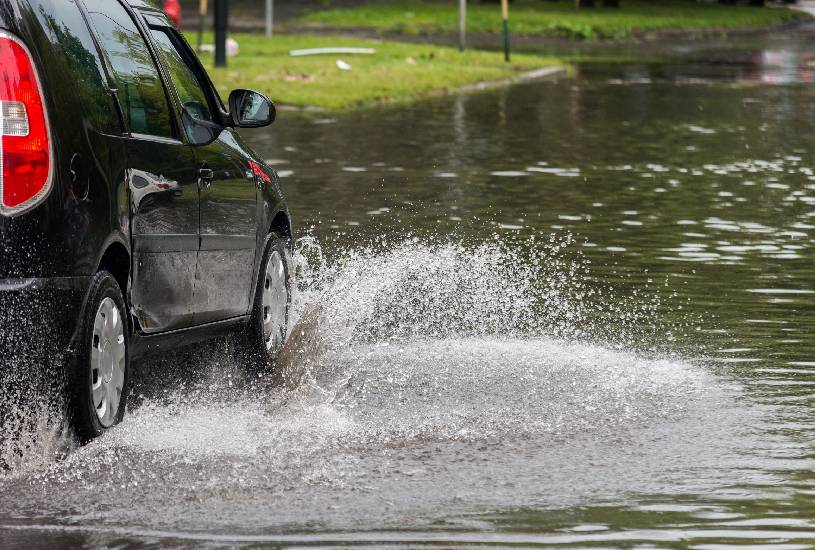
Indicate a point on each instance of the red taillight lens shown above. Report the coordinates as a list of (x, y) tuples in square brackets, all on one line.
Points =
[(25, 148)]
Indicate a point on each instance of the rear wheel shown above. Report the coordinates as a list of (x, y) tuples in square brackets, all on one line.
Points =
[(264, 336), (99, 374)]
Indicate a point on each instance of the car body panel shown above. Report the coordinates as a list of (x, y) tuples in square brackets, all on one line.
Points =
[(164, 228), (184, 279), (57, 237), (228, 231)]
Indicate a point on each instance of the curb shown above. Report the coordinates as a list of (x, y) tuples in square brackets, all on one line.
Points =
[(528, 76)]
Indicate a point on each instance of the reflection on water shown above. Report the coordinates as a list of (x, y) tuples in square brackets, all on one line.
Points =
[(566, 313), (780, 65)]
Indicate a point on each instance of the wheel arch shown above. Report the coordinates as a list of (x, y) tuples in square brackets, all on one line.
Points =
[(281, 224), (116, 260)]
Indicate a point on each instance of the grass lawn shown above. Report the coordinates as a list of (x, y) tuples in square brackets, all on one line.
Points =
[(551, 17), (398, 71)]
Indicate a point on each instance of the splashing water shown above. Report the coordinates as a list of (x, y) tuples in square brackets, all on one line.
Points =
[(32, 437), (32, 428), (521, 287), (409, 366), (458, 341)]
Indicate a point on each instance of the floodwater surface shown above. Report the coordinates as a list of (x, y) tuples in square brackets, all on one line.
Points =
[(575, 312)]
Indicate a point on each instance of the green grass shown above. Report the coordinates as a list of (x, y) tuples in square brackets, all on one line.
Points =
[(557, 18), (398, 72)]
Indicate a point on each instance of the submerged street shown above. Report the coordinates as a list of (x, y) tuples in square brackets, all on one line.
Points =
[(570, 312)]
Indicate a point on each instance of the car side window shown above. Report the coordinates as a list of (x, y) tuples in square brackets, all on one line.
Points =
[(83, 59), (141, 92), (197, 111)]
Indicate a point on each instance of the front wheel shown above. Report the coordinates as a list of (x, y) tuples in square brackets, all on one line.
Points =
[(260, 342), (99, 374)]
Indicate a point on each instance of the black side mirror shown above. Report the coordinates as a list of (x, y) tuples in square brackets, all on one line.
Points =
[(250, 109), (198, 123)]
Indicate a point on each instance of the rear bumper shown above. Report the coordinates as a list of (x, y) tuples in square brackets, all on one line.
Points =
[(38, 320)]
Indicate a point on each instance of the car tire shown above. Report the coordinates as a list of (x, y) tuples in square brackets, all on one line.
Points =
[(98, 375), (262, 338)]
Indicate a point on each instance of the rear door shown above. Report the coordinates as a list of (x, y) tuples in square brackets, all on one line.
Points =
[(228, 191), (162, 177)]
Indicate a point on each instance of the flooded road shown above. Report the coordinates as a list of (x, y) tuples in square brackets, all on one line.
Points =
[(574, 313)]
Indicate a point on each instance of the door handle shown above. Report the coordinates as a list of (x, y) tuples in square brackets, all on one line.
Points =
[(205, 176)]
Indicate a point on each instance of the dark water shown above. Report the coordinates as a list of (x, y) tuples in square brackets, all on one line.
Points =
[(571, 313)]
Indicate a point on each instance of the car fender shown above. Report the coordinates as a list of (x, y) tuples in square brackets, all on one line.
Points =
[(115, 237)]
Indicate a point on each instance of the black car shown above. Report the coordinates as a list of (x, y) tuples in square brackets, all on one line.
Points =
[(132, 216)]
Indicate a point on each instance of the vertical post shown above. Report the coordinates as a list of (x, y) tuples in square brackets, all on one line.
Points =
[(505, 17), (221, 23), (269, 17), (202, 19), (462, 24)]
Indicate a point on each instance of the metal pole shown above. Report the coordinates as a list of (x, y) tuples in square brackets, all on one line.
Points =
[(269, 17), (462, 24), (505, 17), (221, 24), (202, 19)]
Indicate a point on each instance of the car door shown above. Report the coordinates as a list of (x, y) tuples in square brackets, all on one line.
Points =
[(162, 177), (228, 187), (228, 230)]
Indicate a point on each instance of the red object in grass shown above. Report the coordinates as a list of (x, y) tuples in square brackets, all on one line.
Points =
[(173, 10)]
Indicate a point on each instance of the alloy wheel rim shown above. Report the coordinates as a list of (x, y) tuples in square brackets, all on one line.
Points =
[(274, 302), (108, 361)]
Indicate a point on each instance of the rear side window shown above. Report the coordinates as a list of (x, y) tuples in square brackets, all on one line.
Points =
[(140, 90), (84, 63)]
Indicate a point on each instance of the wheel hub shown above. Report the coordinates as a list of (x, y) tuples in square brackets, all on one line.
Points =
[(274, 302), (108, 361)]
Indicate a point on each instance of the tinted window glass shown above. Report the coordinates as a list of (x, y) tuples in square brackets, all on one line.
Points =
[(189, 85), (140, 90), (85, 65)]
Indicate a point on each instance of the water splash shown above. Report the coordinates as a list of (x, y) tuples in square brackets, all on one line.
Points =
[(32, 437), (417, 341), (504, 286), (411, 365), (459, 341), (33, 432)]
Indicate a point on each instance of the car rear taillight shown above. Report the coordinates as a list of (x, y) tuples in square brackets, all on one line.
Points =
[(25, 145)]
